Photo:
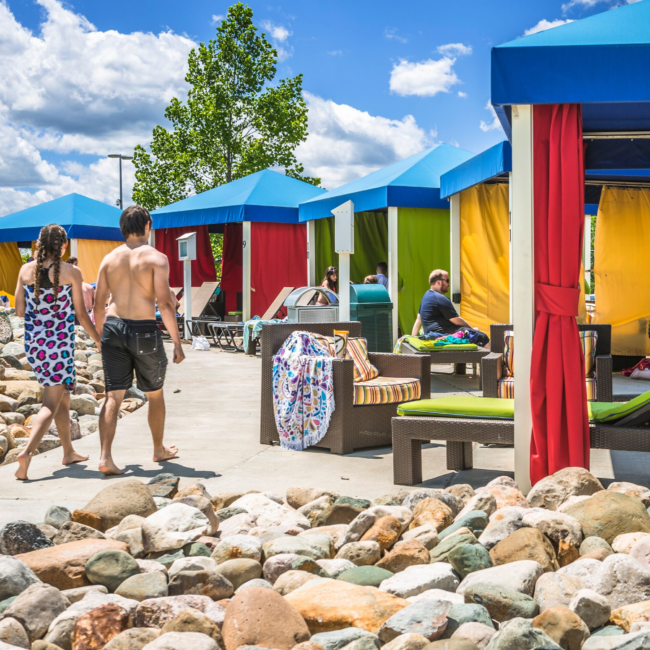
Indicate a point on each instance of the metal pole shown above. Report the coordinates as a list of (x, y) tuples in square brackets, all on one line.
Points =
[(121, 203), (246, 270), (187, 294), (312, 280)]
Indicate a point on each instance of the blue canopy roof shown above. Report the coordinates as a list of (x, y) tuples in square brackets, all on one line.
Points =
[(484, 166), (263, 196), (410, 183), (601, 62), (81, 217)]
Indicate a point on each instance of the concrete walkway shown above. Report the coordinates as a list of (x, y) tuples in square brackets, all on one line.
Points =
[(213, 401)]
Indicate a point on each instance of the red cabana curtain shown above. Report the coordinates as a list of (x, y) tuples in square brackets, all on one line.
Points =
[(231, 264), (560, 435), (202, 267), (278, 260)]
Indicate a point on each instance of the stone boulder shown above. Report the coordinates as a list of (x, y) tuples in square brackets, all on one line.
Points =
[(517, 576), (417, 579), (555, 589), (551, 492), (191, 620), (173, 527), (116, 501), (155, 612), (36, 608), (63, 566), (252, 618), (610, 514), (22, 537), (111, 568), (99, 626), (565, 627), (334, 604), (525, 544), (15, 577), (426, 618), (184, 640), (519, 634), (133, 639), (403, 555), (502, 604)]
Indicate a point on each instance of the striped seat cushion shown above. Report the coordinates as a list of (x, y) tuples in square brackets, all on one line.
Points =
[(386, 390), (506, 388)]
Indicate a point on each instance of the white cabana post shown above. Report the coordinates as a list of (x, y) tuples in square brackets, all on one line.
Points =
[(312, 280), (246, 271), (523, 283), (586, 250), (454, 229), (73, 248), (393, 274), (344, 246)]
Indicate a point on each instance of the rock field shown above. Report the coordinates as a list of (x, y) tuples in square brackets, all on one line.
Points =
[(158, 567), (21, 394)]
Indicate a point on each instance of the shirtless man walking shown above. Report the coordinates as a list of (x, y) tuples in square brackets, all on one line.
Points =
[(136, 276)]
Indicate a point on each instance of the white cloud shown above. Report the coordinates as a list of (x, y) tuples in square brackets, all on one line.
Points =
[(455, 49), (425, 79), (345, 143), (335, 52), (588, 4), (544, 24), (462, 94), (279, 35), (217, 18), (494, 124), (391, 34), (69, 88), (73, 80)]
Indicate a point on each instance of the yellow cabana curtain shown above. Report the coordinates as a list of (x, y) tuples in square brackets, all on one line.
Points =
[(90, 253), (484, 256), (10, 263), (621, 268)]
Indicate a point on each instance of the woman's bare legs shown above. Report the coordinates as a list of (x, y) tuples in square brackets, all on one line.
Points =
[(62, 420), (52, 396)]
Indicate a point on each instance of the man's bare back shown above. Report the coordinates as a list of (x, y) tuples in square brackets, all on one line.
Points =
[(130, 277)]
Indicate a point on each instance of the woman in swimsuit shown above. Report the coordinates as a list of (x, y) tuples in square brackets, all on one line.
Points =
[(329, 283), (49, 295)]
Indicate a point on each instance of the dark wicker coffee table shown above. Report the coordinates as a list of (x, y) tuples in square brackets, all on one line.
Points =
[(459, 358)]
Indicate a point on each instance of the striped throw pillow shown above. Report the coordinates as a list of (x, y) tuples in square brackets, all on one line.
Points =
[(357, 350)]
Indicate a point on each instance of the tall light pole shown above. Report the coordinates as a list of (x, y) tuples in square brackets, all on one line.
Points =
[(120, 203)]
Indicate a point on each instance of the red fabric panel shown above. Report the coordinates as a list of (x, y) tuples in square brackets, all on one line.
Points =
[(278, 260), (231, 264), (558, 394), (202, 267)]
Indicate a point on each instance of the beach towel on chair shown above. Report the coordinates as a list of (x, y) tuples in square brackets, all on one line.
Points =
[(303, 391)]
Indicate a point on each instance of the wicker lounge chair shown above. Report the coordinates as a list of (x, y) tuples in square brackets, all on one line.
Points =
[(631, 433), (351, 427), (492, 363), (228, 335)]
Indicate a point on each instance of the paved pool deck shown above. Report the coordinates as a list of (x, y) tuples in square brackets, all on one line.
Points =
[(213, 415)]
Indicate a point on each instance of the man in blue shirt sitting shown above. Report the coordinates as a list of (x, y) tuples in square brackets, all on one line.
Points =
[(382, 274), (438, 314)]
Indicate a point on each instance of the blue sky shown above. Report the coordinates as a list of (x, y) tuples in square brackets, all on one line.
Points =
[(383, 80)]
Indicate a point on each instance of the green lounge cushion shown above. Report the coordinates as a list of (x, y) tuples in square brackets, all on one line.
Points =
[(428, 346), (461, 407), (494, 408), (614, 411)]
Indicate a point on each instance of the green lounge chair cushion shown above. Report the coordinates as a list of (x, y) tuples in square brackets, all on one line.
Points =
[(428, 346), (494, 408)]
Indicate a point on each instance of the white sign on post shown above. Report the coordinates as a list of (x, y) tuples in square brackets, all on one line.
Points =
[(344, 246), (187, 253)]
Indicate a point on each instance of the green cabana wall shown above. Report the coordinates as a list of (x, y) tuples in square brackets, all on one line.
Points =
[(370, 245), (422, 246)]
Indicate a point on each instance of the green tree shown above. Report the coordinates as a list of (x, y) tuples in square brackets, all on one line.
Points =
[(237, 119), (216, 242)]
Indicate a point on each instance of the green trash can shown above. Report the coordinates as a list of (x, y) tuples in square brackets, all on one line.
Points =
[(370, 304)]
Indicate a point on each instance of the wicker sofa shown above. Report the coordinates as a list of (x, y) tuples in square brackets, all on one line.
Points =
[(492, 364), (351, 427)]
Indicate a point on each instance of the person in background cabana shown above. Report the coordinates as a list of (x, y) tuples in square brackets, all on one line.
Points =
[(438, 315), (330, 283), (371, 279), (382, 274), (87, 289)]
